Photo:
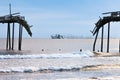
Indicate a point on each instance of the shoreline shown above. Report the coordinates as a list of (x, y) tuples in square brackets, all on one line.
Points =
[(104, 54)]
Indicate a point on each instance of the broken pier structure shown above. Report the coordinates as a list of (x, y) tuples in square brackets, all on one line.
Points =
[(114, 17), (12, 19)]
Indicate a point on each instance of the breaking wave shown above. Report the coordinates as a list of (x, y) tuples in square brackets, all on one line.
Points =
[(49, 56), (31, 69), (38, 69)]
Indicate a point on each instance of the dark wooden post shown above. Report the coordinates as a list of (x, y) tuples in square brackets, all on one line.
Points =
[(102, 39), (108, 40), (95, 41), (20, 37), (8, 43), (13, 37), (7, 38), (19, 43), (119, 46)]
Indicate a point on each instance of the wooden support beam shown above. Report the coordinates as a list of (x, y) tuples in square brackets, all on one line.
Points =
[(102, 39), (95, 41), (108, 40), (13, 37)]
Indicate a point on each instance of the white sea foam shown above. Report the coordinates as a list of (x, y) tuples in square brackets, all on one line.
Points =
[(93, 78), (49, 56)]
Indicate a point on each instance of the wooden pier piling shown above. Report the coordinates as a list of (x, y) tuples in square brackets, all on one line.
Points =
[(95, 41), (119, 46), (108, 39), (102, 39), (20, 37), (13, 37)]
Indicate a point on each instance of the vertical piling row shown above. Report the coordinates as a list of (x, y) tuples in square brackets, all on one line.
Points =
[(102, 35), (10, 46), (108, 39)]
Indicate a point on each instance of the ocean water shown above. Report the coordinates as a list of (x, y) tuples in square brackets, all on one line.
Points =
[(46, 59), (38, 46)]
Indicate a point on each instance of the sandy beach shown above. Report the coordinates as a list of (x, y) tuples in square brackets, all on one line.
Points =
[(53, 59)]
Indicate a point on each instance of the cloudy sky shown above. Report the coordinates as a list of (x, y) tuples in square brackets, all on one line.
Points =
[(66, 17)]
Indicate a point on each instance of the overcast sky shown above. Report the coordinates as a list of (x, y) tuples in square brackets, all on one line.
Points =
[(66, 17)]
